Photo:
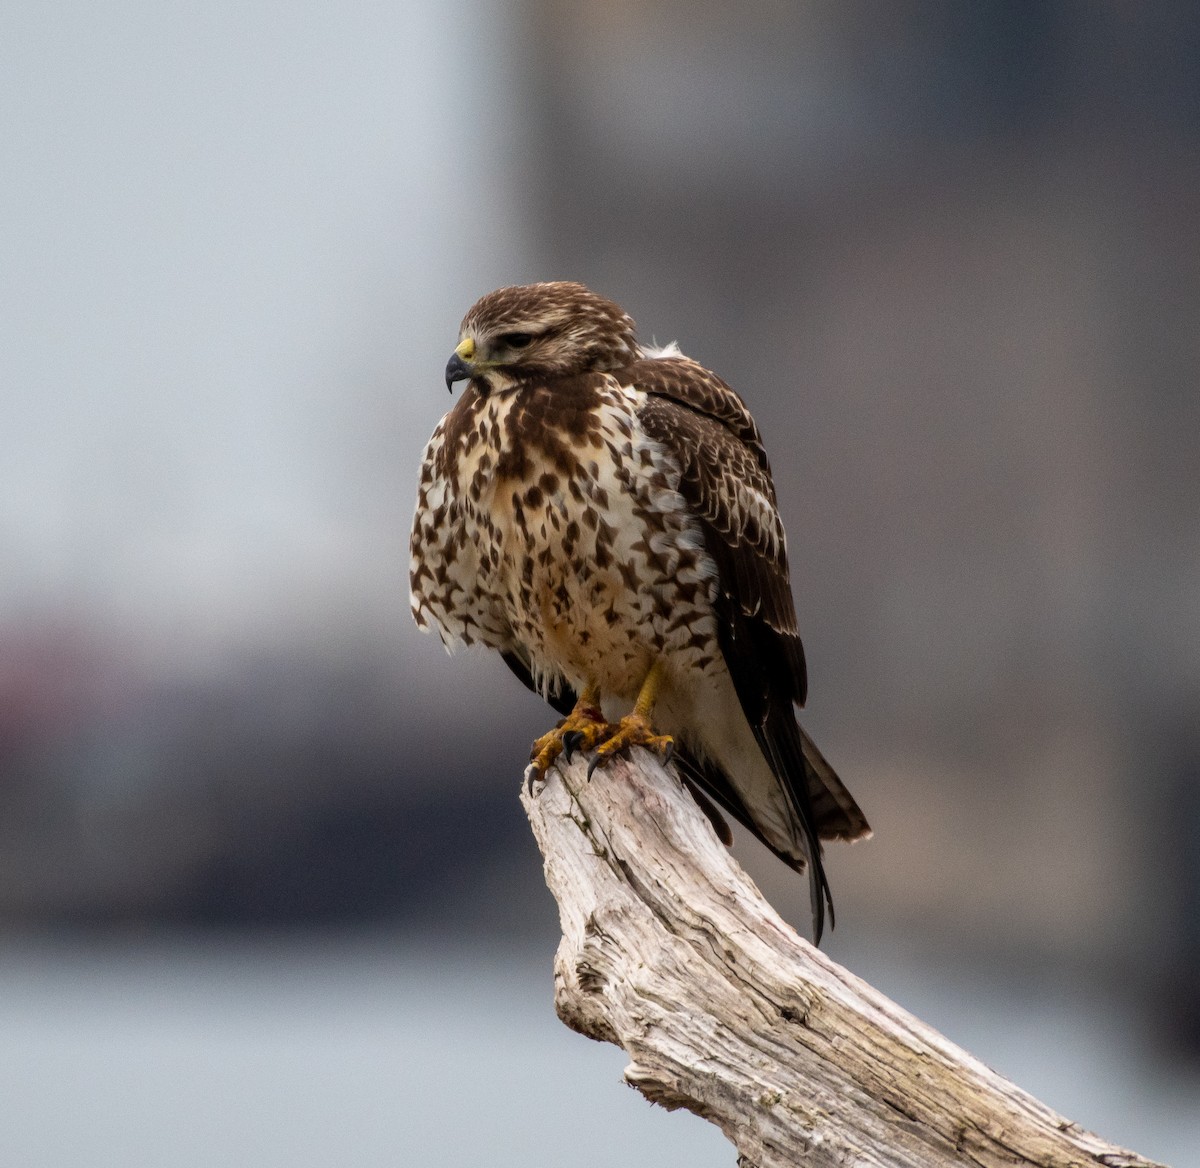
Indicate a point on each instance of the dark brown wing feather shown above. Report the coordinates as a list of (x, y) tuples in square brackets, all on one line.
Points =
[(726, 480)]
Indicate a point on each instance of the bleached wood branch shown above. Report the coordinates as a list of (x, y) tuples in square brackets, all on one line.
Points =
[(670, 952)]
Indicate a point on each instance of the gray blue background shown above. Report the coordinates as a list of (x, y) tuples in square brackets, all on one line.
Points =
[(266, 893)]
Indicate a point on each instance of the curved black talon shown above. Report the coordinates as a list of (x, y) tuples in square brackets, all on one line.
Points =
[(593, 765), (668, 753), (570, 744)]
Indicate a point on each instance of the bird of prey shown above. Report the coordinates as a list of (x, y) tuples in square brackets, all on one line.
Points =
[(602, 513)]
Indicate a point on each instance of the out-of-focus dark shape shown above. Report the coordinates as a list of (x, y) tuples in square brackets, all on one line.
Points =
[(1176, 869), (285, 790), (949, 258)]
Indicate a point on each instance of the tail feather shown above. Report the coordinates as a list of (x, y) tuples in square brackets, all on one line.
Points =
[(836, 816), (779, 739)]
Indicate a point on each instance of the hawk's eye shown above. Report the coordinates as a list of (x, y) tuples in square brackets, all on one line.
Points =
[(515, 340)]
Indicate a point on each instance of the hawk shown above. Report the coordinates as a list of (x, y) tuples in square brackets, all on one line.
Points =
[(602, 514)]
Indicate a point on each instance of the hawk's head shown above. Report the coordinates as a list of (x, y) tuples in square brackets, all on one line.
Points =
[(540, 330)]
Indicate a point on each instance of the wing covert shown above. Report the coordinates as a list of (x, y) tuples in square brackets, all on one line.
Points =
[(726, 479)]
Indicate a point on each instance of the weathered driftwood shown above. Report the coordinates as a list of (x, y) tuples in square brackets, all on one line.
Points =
[(670, 951)]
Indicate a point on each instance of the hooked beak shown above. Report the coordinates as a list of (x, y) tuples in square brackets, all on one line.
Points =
[(457, 368)]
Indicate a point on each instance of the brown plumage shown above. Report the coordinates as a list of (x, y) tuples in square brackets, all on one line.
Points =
[(604, 516)]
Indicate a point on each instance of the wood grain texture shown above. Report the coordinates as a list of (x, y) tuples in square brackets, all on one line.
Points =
[(670, 952)]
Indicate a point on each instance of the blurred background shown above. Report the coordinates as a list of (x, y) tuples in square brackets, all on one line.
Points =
[(266, 892)]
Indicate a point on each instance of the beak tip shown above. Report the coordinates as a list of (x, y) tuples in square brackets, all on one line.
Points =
[(456, 370)]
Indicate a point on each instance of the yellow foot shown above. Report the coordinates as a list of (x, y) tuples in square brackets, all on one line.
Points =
[(581, 729), (632, 730)]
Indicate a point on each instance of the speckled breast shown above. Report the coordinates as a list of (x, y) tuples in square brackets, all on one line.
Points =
[(568, 518)]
